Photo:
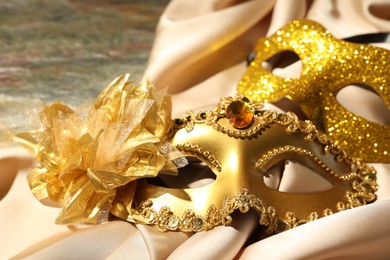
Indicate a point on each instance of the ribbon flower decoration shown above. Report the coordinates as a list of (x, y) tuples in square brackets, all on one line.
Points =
[(90, 155)]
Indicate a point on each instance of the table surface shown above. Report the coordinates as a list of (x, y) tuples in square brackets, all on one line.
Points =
[(68, 51)]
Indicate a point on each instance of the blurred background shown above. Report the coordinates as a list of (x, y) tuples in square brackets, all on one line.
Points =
[(68, 51)]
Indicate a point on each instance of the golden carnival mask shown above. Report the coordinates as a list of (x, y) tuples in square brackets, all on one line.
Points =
[(103, 157), (240, 142), (328, 65)]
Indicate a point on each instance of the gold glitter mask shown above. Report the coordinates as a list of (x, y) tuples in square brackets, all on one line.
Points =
[(240, 141), (328, 65)]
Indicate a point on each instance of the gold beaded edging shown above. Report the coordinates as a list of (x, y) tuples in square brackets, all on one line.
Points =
[(362, 188), (289, 148), (166, 220), (204, 154)]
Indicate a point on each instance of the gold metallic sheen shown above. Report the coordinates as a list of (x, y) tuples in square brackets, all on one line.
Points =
[(273, 137), (328, 65), (206, 156)]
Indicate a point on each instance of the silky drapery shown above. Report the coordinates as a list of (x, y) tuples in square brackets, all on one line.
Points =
[(199, 55)]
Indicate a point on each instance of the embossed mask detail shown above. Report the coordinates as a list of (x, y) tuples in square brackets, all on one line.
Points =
[(328, 65), (240, 157)]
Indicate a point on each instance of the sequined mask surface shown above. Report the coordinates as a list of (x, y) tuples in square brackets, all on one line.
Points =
[(328, 65), (240, 141)]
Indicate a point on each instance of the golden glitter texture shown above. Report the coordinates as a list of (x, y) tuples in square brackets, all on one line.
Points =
[(328, 65)]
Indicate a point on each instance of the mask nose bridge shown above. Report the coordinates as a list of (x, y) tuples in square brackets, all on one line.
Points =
[(238, 164)]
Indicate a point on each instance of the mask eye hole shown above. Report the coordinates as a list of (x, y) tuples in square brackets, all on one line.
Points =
[(364, 101), (285, 64), (294, 177), (196, 174), (287, 105)]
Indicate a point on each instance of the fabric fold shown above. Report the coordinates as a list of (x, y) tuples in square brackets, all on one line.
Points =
[(199, 53)]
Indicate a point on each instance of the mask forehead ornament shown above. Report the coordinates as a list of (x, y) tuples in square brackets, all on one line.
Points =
[(240, 141)]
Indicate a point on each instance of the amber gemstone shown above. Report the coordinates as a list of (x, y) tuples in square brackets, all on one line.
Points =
[(239, 113)]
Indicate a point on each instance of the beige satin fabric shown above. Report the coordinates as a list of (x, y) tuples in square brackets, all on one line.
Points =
[(199, 53)]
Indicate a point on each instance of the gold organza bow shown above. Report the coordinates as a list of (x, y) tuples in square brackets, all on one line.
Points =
[(86, 155)]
